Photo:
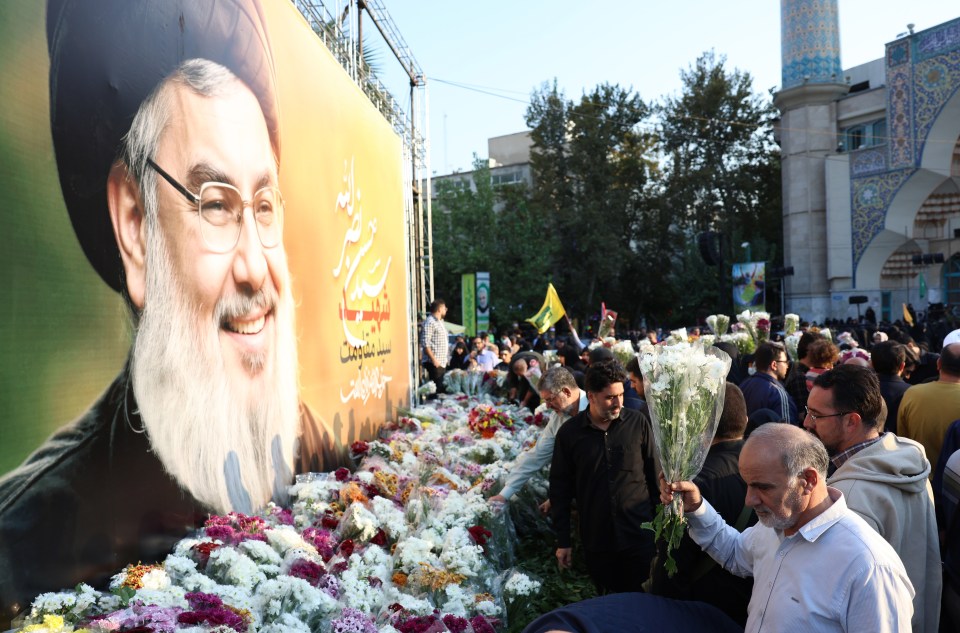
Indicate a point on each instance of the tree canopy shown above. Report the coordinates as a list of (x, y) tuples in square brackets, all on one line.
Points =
[(621, 190)]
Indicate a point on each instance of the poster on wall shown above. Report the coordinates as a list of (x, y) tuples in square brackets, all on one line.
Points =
[(483, 302), (204, 227), (749, 286), (468, 301)]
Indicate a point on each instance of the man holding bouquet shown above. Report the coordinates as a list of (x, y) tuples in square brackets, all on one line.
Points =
[(816, 565)]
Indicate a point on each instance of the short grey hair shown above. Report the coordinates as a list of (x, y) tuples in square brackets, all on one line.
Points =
[(555, 379), (203, 77), (799, 449)]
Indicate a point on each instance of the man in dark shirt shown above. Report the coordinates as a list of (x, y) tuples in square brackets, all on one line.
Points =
[(796, 381), (604, 458), (889, 360)]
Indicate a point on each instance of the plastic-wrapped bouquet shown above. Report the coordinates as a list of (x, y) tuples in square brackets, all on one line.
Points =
[(751, 320), (426, 389), (791, 341), (718, 323), (624, 351), (684, 385), (791, 322)]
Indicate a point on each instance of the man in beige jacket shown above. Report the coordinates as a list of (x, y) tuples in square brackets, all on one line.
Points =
[(883, 477)]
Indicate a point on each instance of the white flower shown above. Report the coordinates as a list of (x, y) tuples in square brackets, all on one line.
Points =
[(519, 584), (295, 596), (390, 517), (232, 567), (168, 597), (285, 538), (413, 551), (360, 521), (261, 553), (286, 623), (460, 553), (487, 608), (155, 579), (458, 602), (416, 606)]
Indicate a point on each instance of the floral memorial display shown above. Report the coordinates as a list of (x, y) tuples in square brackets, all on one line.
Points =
[(405, 543), (684, 386)]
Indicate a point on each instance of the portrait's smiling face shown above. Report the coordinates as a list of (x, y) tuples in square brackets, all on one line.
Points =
[(214, 360), (223, 139)]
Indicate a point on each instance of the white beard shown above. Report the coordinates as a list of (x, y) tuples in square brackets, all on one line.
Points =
[(232, 447)]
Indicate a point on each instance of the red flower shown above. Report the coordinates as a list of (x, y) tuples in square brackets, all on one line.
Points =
[(329, 521), (307, 570), (346, 548), (342, 474), (380, 538), (359, 448), (203, 551), (479, 534)]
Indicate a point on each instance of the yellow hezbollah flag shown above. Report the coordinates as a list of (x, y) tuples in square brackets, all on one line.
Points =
[(550, 313), (906, 315)]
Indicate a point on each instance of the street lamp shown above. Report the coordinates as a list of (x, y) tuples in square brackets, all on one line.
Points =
[(746, 246)]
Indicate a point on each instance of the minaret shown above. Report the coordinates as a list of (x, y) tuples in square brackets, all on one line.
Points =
[(812, 84)]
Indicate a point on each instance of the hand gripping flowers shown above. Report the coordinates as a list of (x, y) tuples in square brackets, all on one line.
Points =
[(684, 386)]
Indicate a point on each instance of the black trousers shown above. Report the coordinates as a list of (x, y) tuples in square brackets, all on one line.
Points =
[(618, 572), (436, 375)]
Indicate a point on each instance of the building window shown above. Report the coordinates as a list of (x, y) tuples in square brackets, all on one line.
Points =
[(506, 178), (864, 135)]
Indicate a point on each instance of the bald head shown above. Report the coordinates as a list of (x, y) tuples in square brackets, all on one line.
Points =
[(798, 449)]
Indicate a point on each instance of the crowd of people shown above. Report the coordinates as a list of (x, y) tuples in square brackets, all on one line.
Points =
[(841, 514)]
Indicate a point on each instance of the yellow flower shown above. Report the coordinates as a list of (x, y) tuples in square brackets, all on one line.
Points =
[(50, 624)]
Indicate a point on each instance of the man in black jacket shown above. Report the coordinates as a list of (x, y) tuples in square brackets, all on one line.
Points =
[(889, 361), (604, 458)]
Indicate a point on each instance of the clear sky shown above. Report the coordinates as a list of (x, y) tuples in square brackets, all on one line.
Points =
[(469, 50)]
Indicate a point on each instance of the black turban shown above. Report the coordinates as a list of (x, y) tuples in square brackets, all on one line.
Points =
[(106, 57)]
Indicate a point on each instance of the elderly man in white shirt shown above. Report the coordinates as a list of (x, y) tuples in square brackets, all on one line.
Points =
[(816, 565), (559, 391)]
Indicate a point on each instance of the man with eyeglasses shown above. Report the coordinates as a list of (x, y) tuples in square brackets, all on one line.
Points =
[(164, 122), (884, 478), (764, 390)]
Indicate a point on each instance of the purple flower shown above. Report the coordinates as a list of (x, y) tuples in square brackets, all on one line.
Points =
[(455, 624), (481, 624), (352, 621), (323, 540), (308, 570)]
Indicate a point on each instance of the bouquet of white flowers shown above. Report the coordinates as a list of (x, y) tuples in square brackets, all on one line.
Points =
[(790, 323), (623, 350), (684, 386), (718, 323), (792, 341)]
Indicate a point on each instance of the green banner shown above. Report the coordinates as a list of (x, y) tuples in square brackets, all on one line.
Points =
[(468, 301)]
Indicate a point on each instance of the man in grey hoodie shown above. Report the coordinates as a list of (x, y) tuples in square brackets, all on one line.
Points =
[(883, 477)]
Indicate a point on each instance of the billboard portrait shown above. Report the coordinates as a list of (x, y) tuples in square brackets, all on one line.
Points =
[(206, 231), (749, 286), (483, 302)]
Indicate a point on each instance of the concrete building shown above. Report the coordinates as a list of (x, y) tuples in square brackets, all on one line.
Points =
[(871, 168), (509, 161)]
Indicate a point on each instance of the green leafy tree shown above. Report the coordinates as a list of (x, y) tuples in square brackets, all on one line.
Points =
[(721, 172), (591, 167), (489, 228)]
